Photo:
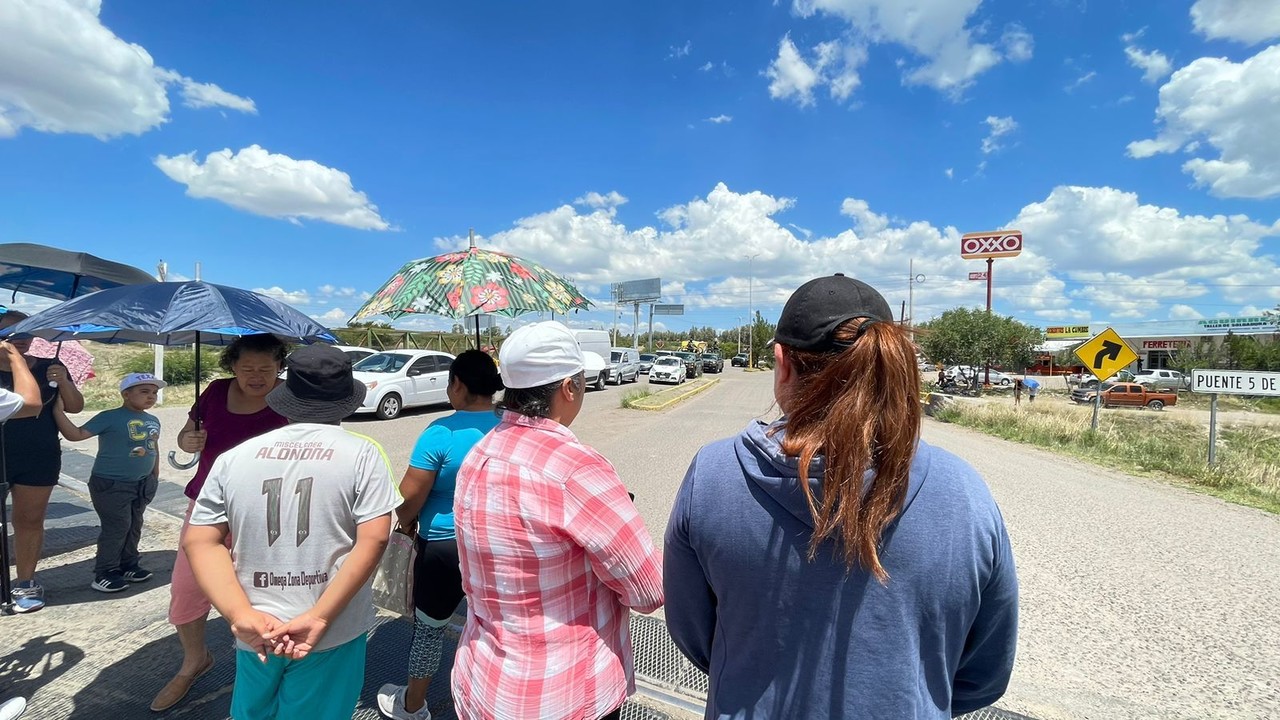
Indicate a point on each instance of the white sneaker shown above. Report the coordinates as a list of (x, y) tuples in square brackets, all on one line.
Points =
[(391, 704), (13, 709)]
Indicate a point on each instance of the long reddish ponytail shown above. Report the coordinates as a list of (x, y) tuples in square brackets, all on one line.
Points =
[(859, 410)]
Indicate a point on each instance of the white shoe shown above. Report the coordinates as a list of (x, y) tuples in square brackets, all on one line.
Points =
[(391, 704), (13, 709)]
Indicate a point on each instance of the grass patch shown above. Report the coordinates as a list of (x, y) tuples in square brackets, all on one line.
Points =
[(1248, 469), (630, 399)]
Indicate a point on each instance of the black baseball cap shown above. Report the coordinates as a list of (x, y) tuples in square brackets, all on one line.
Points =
[(319, 388), (814, 311)]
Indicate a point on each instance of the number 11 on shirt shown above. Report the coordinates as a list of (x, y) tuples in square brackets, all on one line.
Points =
[(272, 488)]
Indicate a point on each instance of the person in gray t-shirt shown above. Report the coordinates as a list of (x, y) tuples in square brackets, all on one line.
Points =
[(308, 508)]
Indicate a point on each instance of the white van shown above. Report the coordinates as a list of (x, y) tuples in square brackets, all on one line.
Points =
[(624, 365), (595, 350)]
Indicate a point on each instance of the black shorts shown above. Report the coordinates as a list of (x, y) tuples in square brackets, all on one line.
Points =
[(44, 475), (437, 579)]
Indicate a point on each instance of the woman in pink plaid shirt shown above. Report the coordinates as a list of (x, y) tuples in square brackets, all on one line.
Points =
[(553, 554)]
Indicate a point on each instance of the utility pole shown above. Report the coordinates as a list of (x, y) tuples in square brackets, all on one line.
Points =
[(751, 316), (912, 280), (739, 334), (162, 272)]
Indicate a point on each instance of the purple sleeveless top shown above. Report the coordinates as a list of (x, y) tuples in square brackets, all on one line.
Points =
[(225, 429)]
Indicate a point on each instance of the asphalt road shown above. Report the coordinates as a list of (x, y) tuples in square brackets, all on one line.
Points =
[(1139, 599)]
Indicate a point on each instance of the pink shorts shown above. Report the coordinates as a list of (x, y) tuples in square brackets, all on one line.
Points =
[(187, 602)]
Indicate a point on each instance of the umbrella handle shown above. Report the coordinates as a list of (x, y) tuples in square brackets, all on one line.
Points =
[(173, 460)]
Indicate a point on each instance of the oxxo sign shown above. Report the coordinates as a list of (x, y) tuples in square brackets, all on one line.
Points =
[(999, 243)]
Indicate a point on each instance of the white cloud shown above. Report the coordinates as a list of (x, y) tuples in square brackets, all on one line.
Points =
[(790, 77), (1085, 78), (63, 71), (1018, 43), (1184, 312), (1154, 65), (719, 119), (1155, 257), (596, 200), (208, 95), (1101, 227), (865, 221), (337, 317), (291, 297), (334, 291), (1232, 107), (708, 66), (274, 185), (950, 173), (936, 31), (1246, 21), (679, 51), (997, 127)]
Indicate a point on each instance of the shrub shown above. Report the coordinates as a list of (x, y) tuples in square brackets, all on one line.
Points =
[(179, 364)]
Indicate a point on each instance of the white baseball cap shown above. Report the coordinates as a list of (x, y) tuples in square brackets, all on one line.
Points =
[(539, 354), (135, 379)]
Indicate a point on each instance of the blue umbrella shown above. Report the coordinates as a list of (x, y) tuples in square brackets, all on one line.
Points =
[(173, 313)]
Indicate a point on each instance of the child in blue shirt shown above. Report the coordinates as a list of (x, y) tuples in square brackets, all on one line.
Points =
[(125, 475)]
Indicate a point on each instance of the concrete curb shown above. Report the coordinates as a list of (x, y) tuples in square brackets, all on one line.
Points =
[(642, 405)]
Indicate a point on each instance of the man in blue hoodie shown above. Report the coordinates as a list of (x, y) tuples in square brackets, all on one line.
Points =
[(831, 564)]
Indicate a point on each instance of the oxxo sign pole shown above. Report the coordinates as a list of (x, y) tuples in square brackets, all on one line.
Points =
[(1230, 382), (989, 246)]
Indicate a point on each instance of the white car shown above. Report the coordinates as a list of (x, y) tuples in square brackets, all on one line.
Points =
[(398, 379), (667, 369), (356, 353)]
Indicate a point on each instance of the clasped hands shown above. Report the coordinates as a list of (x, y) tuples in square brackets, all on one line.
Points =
[(267, 635)]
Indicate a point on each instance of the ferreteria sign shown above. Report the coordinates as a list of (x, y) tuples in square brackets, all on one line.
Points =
[(1235, 382), (1165, 344), (1239, 323)]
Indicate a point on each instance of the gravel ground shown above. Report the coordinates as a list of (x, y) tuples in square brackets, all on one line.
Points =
[(1139, 600)]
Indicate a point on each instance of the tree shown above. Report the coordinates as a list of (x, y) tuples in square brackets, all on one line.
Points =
[(761, 333), (973, 338)]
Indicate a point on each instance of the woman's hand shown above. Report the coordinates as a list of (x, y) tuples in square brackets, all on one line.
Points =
[(57, 374), (193, 441)]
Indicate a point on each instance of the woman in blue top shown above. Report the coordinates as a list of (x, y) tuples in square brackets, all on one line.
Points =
[(427, 488)]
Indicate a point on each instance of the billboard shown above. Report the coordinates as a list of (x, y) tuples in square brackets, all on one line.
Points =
[(1066, 332), (668, 309), (638, 290), (993, 244)]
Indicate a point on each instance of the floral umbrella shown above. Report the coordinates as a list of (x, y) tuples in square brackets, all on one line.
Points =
[(470, 283)]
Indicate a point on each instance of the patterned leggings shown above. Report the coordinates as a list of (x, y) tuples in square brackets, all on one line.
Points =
[(424, 653)]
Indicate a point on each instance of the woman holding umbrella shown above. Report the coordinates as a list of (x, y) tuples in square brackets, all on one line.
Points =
[(33, 462), (230, 411)]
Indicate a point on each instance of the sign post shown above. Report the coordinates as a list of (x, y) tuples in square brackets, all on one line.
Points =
[(1231, 382), (1104, 355), (988, 246)]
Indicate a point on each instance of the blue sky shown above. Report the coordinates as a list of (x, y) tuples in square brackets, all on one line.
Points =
[(312, 153)]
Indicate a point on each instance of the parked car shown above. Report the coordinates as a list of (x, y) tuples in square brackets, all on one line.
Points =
[(1162, 379), (1122, 376), (1128, 395), (712, 362), (668, 369), (692, 364), (595, 348), (400, 379), (623, 363), (352, 351), (739, 360), (646, 362)]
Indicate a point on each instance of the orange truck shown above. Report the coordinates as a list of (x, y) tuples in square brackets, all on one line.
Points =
[(1124, 394)]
